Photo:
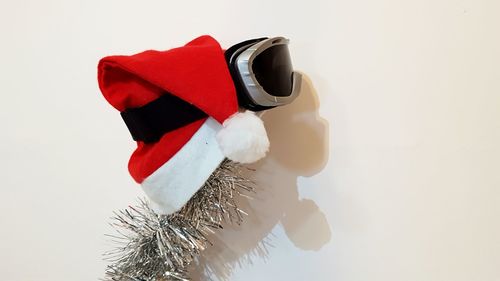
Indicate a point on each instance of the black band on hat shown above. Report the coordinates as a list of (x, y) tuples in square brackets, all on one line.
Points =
[(167, 113)]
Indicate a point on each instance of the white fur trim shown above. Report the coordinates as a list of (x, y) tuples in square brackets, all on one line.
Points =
[(176, 181), (243, 138)]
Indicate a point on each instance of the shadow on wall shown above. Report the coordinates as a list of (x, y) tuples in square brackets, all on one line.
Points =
[(299, 147)]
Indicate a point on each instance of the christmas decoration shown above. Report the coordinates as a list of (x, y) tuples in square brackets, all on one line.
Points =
[(161, 247), (183, 109), (181, 83)]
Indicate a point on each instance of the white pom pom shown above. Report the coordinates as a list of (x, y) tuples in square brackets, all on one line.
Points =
[(243, 138)]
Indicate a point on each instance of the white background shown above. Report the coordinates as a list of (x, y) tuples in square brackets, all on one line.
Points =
[(386, 168)]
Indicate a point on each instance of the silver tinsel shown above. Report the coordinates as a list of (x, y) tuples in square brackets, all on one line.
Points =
[(154, 247)]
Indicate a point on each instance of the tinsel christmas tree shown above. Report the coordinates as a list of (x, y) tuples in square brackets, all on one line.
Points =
[(152, 247)]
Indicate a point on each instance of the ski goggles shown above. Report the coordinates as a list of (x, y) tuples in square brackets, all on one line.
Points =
[(262, 73)]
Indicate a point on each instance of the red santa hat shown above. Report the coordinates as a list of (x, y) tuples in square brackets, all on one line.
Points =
[(174, 167)]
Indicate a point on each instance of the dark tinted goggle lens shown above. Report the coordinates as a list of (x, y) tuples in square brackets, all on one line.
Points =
[(273, 70)]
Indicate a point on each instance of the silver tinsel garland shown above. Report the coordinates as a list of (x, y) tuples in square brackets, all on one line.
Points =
[(154, 247)]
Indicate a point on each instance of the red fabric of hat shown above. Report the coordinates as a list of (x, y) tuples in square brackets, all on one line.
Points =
[(197, 73)]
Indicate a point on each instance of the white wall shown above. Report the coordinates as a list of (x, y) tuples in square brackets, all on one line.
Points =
[(386, 168)]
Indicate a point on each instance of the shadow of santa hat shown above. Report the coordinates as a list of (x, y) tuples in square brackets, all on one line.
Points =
[(191, 122)]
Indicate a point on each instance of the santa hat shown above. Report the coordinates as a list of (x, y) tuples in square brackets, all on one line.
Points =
[(172, 168)]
